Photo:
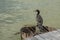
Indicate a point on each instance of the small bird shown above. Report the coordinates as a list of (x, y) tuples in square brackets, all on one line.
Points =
[(39, 20)]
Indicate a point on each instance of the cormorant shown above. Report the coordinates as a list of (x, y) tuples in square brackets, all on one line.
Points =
[(39, 20)]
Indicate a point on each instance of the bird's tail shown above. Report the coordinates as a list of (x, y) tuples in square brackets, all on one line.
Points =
[(45, 28)]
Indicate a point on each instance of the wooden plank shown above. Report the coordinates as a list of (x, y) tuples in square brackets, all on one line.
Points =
[(54, 35), (39, 38)]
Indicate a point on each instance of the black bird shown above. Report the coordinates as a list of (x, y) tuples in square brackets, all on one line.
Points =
[(39, 20)]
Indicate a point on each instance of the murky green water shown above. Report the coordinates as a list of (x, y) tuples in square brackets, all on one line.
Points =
[(15, 13)]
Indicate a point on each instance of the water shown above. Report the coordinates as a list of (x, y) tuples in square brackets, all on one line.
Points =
[(16, 13)]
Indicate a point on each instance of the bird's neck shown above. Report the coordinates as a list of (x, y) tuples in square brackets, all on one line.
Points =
[(38, 13)]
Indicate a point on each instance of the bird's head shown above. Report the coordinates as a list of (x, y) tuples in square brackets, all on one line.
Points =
[(38, 11)]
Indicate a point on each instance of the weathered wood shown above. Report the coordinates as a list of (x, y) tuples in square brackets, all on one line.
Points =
[(54, 35)]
